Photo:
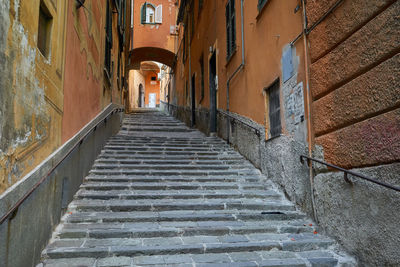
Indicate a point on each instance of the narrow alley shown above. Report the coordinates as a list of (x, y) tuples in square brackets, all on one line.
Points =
[(199, 133), (163, 194)]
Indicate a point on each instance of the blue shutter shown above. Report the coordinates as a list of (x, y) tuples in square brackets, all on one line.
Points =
[(143, 13)]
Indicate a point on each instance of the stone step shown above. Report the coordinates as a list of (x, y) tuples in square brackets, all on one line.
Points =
[(105, 186), (277, 232), (175, 194), (172, 171), (194, 204), (165, 148), (115, 250), (127, 167), (166, 144), (157, 129), (116, 155), (155, 163), (181, 178), (163, 178), (175, 216), (169, 153), (258, 258)]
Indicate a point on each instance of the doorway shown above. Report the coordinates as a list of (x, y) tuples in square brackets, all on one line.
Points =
[(152, 100), (193, 121), (141, 96), (213, 92)]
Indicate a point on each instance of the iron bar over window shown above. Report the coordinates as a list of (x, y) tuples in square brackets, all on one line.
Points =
[(230, 28)]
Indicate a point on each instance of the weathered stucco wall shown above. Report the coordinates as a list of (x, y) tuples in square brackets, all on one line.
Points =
[(31, 96), (136, 78)]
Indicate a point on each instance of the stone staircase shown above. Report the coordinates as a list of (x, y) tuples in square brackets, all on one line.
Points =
[(161, 194)]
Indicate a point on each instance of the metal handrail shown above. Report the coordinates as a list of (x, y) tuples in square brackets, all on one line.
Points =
[(79, 142), (257, 131), (346, 172)]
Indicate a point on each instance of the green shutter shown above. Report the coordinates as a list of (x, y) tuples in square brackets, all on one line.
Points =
[(143, 12)]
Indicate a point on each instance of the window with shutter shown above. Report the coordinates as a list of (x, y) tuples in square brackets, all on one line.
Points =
[(108, 45), (274, 110), (158, 14), (261, 4), (230, 28), (143, 13)]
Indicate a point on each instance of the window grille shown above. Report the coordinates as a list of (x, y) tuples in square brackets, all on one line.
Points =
[(230, 28)]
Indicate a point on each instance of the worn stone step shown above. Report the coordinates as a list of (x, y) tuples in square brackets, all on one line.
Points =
[(116, 155), (154, 205), (166, 144), (175, 194), (222, 247), (179, 178), (169, 153), (174, 172), (147, 147), (169, 186), (155, 163), (268, 258), (128, 167), (277, 230), (198, 215)]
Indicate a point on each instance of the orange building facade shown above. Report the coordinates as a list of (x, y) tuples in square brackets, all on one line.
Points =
[(153, 27)]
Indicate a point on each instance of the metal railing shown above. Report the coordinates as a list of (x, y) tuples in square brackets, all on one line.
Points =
[(11, 212), (256, 130), (347, 172)]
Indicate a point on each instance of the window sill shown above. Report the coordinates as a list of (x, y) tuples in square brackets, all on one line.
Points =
[(273, 137), (151, 23)]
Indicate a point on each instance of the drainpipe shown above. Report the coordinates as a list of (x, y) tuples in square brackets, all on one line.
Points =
[(309, 99), (241, 66)]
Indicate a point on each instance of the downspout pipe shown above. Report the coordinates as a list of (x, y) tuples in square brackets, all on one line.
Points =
[(241, 66), (309, 99)]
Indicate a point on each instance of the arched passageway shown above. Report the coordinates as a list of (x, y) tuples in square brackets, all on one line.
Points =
[(140, 54)]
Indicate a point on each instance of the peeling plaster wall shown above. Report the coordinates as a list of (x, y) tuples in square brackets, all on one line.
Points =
[(31, 89)]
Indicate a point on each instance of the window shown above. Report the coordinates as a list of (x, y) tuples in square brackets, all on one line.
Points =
[(274, 109), (202, 78), (153, 78), (230, 29), (261, 4), (108, 46), (44, 30), (151, 14)]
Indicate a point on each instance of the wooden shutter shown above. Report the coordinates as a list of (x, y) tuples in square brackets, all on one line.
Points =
[(261, 4), (158, 15), (143, 13), (228, 30), (233, 26)]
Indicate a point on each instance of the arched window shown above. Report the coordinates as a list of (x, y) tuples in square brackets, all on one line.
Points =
[(151, 14)]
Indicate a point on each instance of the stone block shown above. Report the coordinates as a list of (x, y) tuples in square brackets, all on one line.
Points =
[(374, 42)]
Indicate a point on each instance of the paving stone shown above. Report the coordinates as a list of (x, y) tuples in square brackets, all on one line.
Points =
[(211, 258), (114, 262)]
